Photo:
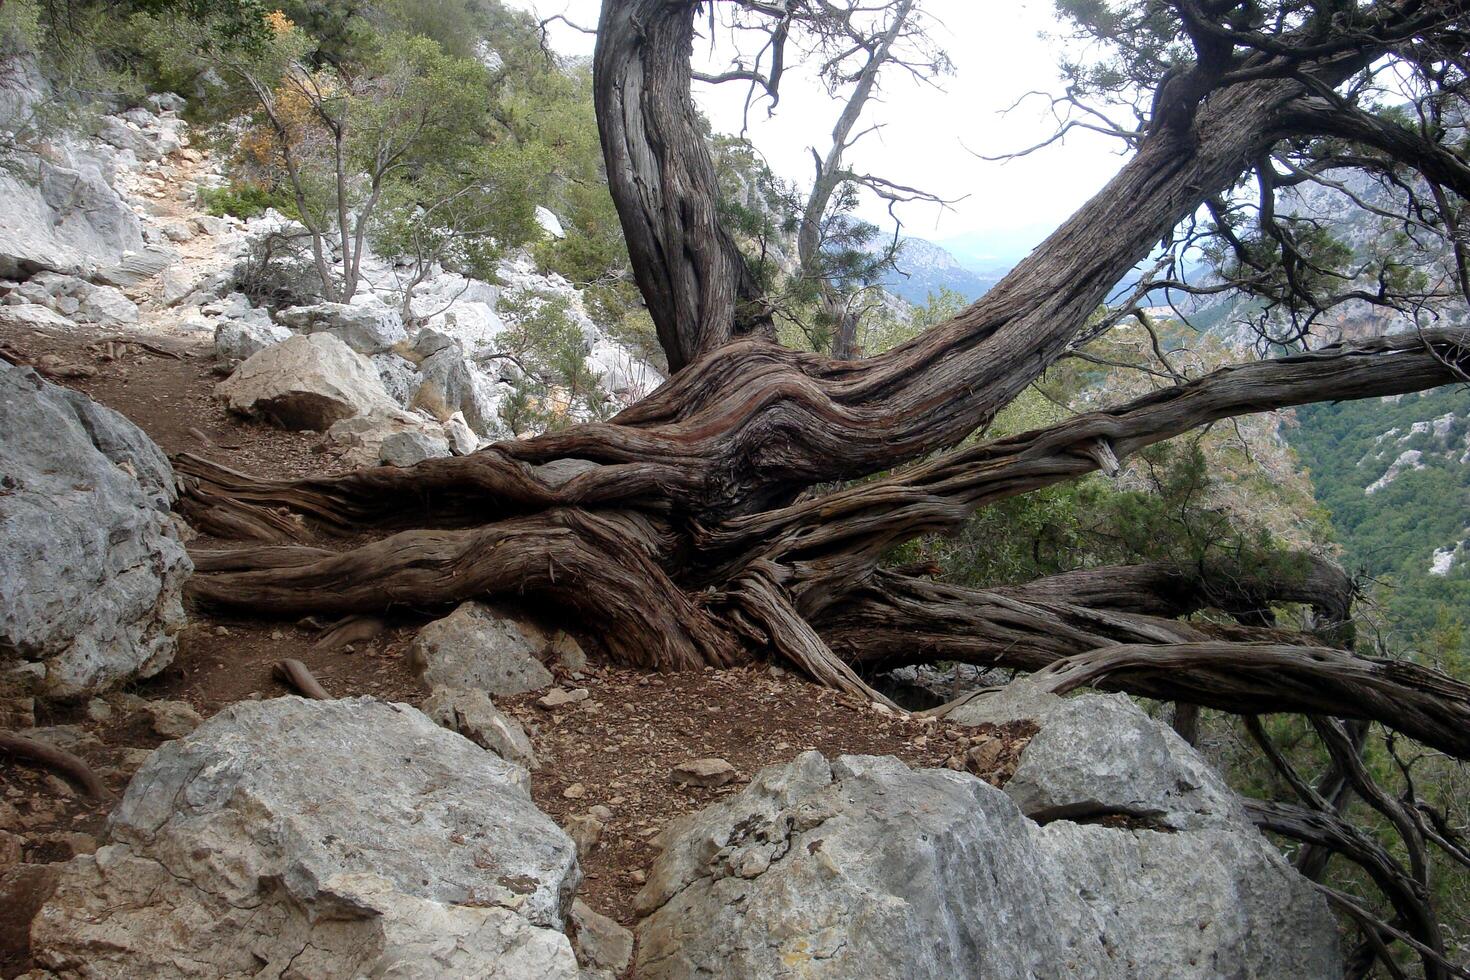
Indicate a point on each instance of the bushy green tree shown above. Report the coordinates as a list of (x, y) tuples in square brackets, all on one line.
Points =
[(391, 149), (554, 386)]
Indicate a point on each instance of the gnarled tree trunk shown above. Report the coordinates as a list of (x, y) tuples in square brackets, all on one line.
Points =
[(687, 530)]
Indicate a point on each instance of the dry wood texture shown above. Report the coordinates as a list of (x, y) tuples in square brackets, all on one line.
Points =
[(702, 527)]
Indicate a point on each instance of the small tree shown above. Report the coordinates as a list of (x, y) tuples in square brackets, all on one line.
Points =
[(460, 211), (387, 151)]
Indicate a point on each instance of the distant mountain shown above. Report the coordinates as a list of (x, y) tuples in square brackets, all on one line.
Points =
[(990, 248), (925, 268)]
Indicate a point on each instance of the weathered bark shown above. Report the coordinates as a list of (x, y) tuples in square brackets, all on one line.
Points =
[(663, 181), (895, 620), (1250, 678), (594, 567), (685, 529), (851, 528), (1171, 588), (643, 460)]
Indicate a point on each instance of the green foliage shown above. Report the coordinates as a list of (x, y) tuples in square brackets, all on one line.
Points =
[(245, 201), (20, 26), (1164, 515), (452, 24), (554, 385), (1391, 534), (1196, 499)]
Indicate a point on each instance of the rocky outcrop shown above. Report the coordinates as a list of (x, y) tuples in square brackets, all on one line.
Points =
[(479, 649), (864, 867), (603, 947), (1099, 754), (398, 438), (399, 376), (411, 447), (462, 309), (239, 340), (19, 315), (318, 839), (306, 382), (368, 327), (79, 300), (63, 218), (449, 385), (90, 572), (241, 330)]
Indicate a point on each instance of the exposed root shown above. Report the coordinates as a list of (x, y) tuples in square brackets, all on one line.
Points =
[(294, 674), (57, 760), (352, 629), (758, 607), (599, 568), (1249, 678)]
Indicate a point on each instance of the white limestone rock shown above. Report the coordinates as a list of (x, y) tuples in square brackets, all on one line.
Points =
[(306, 382), (79, 300), (368, 325), (479, 648), (91, 574), (412, 446), (474, 715), (864, 867), (347, 838)]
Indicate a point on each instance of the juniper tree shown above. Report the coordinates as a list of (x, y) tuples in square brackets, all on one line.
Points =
[(744, 508)]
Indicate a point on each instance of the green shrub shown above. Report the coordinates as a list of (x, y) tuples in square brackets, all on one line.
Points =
[(245, 201)]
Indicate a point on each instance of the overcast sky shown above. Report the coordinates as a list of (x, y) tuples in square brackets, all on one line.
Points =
[(928, 134)]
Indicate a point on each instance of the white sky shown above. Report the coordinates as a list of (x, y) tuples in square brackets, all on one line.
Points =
[(998, 57)]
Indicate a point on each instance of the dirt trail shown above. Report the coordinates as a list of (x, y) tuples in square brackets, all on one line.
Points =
[(620, 744)]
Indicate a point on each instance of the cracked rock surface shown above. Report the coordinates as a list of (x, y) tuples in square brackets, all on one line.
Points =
[(1100, 754), (861, 866), (91, 573), (295, 838)]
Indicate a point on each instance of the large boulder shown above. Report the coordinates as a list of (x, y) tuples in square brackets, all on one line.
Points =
[(306, 382), (450, 385), (90, 572), (478, 648), (864, 867), (368, 327), (237, 340), (134, 268), (143, 134), (20, 315), (299, 838), (413, 447), (1099, 754), (399, 375), (460, 308), (363, 438)]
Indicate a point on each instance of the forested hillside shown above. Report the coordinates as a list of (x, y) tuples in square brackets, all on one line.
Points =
[(1394, 475), (1391, 473)]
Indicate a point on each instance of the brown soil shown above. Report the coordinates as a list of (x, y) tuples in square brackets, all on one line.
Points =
[(620, 744)]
